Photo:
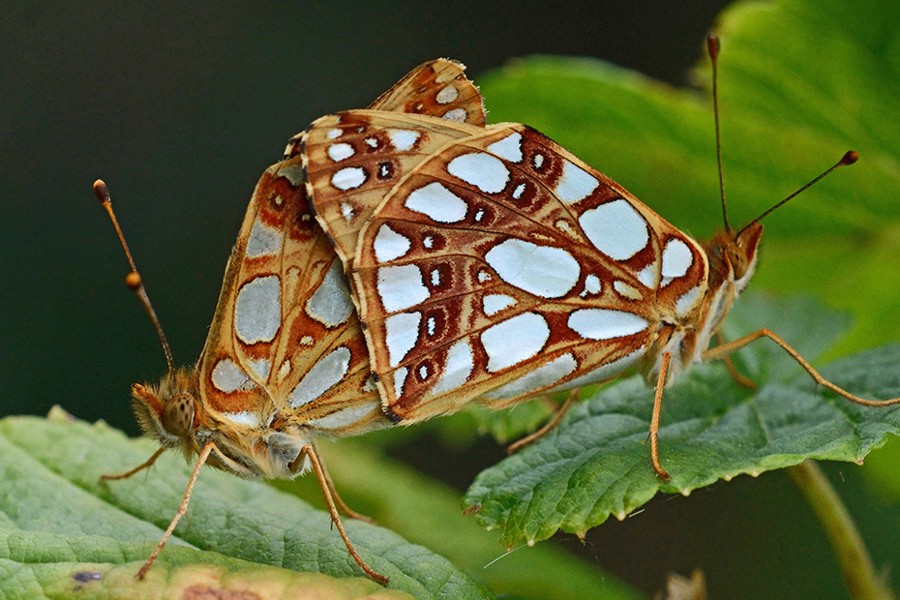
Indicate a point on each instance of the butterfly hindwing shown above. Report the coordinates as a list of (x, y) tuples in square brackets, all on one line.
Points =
[(503, 266)]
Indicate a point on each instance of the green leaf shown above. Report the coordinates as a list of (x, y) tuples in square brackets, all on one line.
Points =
[(508, 425), (596, 463), (428, 512), (800, 83), (59, 520)]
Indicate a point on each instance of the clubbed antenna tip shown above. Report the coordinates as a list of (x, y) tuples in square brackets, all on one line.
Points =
[(712, 46), (850, 157), (101, 191)]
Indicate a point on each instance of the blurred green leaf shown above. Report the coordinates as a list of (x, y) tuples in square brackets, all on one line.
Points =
[(596, 462), (58, 519)]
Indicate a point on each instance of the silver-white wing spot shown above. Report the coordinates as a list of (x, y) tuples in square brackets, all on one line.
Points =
[(345, 417), (447, 95), (509, 148), (348, 178), (263, 240), (400, 380), (340, 151), (437, 203), (541, 270), (400, 334), (390, 245), (457, 368), (333, 134), (322, 376), (486, 172), (243, 417), (626, 290), (228, 377), (260, 368), (284, 370), (605, 323), (676, 259), (575, 183), (331, 304), (400, 287), (456, 114), (541, 377), (403, 139), (592, 286), (257, 311), (347, 212), (494, 303), (686, 301), (516, 339), (616, 229), (601, 373), (294, 173), (647, 275)]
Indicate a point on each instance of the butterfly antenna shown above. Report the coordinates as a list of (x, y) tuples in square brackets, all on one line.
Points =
[(133, 279), (850, 157), (712, 48)]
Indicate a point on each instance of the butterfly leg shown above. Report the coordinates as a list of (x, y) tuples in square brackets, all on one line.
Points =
[(547, 427), (339, 502), (654, 420), (726, 349), (732, 369), (144, 465), (310, 452), (182, 510)]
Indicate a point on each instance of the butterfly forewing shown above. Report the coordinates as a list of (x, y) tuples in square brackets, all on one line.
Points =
[(502, 266), (438, 88), (286, 339)]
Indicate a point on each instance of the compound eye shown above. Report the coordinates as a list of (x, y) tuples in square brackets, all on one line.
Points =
[(178, 416)]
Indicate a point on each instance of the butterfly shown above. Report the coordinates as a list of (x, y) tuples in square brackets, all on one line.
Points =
[(285, 361), (502, 267)]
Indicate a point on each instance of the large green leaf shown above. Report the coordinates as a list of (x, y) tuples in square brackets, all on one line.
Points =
[(60, 525), (596, 463), (428, 512), (801, 82)]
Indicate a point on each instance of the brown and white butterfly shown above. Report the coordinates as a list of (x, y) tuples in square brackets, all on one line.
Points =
[(503, 267), (285, 360)]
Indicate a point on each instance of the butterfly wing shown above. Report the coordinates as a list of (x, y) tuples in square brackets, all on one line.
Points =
[(503, 266), (286, 341), (355, 158), (438, 88)]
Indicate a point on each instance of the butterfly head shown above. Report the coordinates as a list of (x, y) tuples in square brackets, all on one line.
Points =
[(733, 256), (168, 411)]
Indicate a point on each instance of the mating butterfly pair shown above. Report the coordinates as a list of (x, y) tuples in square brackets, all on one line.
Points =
[(488, 263)]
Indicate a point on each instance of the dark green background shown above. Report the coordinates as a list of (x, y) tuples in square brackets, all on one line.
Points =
[(181, 107)]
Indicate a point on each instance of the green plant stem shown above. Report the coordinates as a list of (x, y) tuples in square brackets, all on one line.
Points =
[(856, 565)]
